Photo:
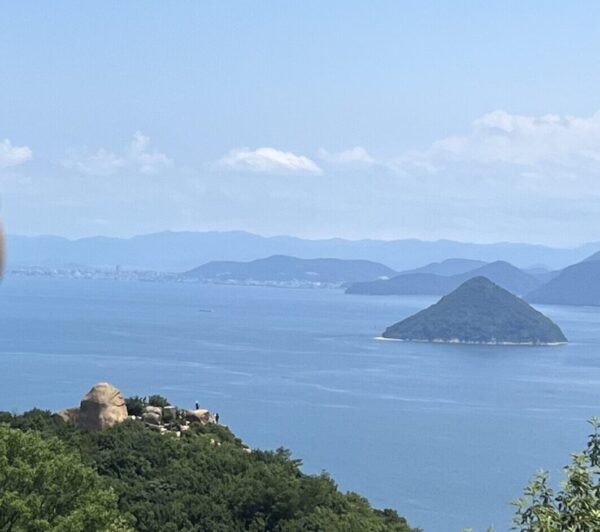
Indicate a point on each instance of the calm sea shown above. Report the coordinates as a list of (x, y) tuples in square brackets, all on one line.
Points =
[(446, 434)]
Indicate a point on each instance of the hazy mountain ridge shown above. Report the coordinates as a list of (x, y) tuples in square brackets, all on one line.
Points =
[(578, 284), (182, 251), (500, 272), (593, 258), (446, 267)]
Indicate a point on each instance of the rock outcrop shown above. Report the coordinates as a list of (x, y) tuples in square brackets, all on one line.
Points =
[(102, 407), (152, 415), (68, 415), (199, 416)]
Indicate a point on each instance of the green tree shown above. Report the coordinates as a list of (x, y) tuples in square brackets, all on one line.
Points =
[(158, 400), (44, 487), (135, 405), (205, 479), (576, 506)]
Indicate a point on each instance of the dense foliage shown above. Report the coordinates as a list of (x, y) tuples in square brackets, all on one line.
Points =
[(45, 487), (204, 480), (576, 506), (158, 400), (135, 405)]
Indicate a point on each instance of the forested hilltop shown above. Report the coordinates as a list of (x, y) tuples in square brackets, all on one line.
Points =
[(55, 476)]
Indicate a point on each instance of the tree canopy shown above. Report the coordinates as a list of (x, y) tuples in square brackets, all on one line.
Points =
[(203, 480), (575, 507), (45, 487)]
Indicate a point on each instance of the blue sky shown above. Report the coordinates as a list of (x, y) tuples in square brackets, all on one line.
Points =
[(466, 120)]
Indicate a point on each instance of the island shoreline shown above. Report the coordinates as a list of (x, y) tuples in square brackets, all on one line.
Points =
[(467, 342)]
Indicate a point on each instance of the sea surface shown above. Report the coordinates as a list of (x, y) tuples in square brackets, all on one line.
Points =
[(446, 434)]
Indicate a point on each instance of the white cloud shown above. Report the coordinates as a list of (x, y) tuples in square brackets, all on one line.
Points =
[(269, 161), (148, 163), (500, 137), (13, 155), (358, 154), (105, 163), (101, 163)]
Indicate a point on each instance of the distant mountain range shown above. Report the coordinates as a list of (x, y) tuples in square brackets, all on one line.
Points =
[(449, 267), (290, 271), (578, 284), (568, 276), (594, 258), (478, 311), (182, 251), (500, 272)]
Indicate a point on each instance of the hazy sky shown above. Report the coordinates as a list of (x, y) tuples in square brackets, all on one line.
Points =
[(477, 121)]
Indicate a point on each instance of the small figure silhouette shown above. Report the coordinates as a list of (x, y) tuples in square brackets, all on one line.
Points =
[(217, 417), (197, 405)]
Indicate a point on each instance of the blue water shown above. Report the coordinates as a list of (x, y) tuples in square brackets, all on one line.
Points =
[(446, 434)]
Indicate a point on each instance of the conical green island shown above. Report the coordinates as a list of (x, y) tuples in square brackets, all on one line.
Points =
[(479, 312)]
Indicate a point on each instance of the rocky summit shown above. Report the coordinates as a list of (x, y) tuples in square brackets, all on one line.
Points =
[(102, 407)]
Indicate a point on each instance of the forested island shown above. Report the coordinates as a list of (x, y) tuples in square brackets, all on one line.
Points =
[(479, 312), (286, 271)]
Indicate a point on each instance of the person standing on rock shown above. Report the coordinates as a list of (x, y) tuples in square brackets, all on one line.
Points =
[(217, 417), (197, 405)]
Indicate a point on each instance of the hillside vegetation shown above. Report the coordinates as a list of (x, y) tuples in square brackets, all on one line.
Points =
[(55, 477)]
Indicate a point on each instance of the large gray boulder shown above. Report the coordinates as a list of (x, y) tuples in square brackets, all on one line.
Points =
[(149, 409), (199, 416), (102, 407), (152, 415)]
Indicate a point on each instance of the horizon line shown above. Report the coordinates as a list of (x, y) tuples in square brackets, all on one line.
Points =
[(327, 239)]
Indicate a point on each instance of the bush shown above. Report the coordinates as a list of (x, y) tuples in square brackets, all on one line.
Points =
[(44, 487), (158, 400), (576, 506), (135, 405)]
